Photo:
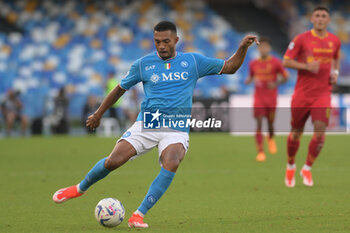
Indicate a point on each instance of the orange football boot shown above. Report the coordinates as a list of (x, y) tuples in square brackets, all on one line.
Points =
[(261, 157), (65, 194), (307, 177), (136, 221), (289, 179), (272, 145)]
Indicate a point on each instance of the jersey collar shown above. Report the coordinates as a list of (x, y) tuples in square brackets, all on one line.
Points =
[(168, 58), (315, 34), (268, 58)]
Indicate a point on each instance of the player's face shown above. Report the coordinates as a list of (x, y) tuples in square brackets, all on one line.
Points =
[(165, 43), (320, 19), (264, 49)]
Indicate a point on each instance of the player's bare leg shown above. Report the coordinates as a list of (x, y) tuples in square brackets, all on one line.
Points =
[(271, 139), (315, 146), (24, 124), (259, 140), (171, 158), (10, 119), (293, 142), (121, 153)]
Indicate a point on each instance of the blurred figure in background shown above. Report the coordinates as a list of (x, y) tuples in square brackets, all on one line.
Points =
[(90, 107), (60, 114), (131, 105), (11, 108), (115, 111), (265, 72)]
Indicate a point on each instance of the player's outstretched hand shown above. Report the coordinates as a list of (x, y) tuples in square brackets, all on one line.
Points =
[(313, 66), (93, 121), (249, 40)]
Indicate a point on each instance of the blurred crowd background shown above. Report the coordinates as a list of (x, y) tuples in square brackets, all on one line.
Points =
[(59, 58)]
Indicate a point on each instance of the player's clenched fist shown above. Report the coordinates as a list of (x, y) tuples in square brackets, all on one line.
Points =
[(248, 40), (93, 121)]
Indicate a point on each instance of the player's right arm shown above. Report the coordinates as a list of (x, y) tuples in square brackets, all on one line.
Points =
[(310, 66), (132, 77), (250, 78), (293, 51)]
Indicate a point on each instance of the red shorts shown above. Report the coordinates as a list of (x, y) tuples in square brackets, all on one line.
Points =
[(302, 108), (265, 109)]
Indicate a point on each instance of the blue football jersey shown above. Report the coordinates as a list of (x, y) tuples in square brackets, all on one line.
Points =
[(168, 84)]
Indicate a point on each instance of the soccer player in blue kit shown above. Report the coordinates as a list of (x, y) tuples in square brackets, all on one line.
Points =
[(168, 78)]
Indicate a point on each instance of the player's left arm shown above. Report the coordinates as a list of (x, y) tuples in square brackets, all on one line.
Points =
[(282, 76), (335, 69), (236, 60)]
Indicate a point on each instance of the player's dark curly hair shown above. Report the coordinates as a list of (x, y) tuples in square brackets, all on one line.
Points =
[(321, 8), (165, 26), (265, 39)]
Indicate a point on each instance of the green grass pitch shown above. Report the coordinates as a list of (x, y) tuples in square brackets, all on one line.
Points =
[(218, 188)]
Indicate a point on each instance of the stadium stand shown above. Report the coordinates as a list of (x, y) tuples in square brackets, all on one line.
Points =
[(77, 43)]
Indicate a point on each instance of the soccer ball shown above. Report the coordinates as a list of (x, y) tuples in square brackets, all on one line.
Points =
[(109, 212)]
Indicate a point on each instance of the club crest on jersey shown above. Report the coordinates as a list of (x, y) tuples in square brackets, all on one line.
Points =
[(330, 44), (154, 78), (167, 66), (184, 64)]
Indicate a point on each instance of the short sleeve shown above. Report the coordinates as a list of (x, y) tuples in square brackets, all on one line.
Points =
[(132, 77), (207, 66), (293, 48)]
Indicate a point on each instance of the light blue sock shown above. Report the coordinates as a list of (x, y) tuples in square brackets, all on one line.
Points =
[(97, 173), (156, 190)]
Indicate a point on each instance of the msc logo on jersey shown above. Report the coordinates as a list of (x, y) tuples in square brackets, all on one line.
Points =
[(154, 78), (175, 76)]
